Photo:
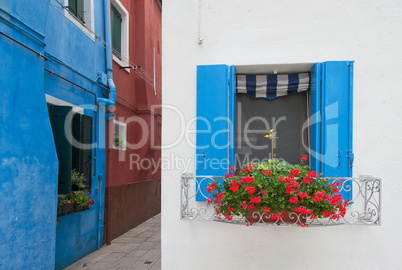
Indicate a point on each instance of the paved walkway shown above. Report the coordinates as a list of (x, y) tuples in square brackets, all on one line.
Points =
[(138, 249)]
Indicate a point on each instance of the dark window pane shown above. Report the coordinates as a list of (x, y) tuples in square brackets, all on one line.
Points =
[(72, 7), (82, 158), (58, 116), (76, 7), (80, 10), (285, 114), (116, 32)]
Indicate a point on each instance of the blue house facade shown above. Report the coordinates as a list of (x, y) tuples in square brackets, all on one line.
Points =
[(56, 82)]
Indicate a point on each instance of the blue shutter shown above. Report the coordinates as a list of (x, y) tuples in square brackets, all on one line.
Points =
[(232, 115), (215, 138), (334, 98), (315, 134)]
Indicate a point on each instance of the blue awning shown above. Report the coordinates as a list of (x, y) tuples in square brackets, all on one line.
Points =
[(272, 85)]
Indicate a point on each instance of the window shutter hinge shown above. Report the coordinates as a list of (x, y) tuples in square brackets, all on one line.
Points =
[(351, 157)]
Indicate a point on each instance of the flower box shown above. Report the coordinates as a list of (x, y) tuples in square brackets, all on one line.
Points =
[(79, 208), (60, 209), (364, 208), (65, 209), (73, 203), (273, 190), (277, 192), (69, 208), (288, 217)]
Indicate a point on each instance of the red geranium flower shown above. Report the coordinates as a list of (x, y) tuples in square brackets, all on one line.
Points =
[(266, 172), (293, 200), (250, 190), (248, 179), (255, 200), (294, 172)]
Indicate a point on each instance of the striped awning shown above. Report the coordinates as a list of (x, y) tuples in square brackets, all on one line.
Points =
[(272, 85)]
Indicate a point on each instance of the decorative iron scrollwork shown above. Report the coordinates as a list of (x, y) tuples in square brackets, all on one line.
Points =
[(364, 208)]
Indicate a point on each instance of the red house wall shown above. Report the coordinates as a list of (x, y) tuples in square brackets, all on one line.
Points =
[(132, 180)]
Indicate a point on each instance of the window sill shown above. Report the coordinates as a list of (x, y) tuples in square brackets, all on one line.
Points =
[(70, 208), (121, 63), (117, 148), (364, 208), (87, 31)]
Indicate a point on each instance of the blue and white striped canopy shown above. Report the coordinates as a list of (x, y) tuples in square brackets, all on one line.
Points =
[(272, 85)]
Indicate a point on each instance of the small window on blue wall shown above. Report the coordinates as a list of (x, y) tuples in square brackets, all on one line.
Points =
[(76, 8), (71, 157), (81, 13), (82, 158), (321, 118)]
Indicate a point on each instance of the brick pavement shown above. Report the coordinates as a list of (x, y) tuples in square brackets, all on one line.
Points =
[(138, 249)]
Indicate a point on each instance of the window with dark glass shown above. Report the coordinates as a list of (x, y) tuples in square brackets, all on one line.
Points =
[(255, 116), (326, 116), (76, 8), (116, 32), (71, 157)]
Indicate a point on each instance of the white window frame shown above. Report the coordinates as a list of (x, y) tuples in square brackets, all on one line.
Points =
[(124, 62), (121, 133), (59, 102), (89, 27)]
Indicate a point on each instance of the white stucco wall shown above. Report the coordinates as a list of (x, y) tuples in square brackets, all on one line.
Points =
[(292, 31)]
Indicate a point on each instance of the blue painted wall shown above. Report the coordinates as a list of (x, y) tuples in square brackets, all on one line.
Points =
[(79, 58), (28, 159)]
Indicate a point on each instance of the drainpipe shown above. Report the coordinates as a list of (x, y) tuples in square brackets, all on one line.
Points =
[(102, 104), (108, 36)]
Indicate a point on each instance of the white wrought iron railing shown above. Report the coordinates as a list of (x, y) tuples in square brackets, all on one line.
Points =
[(364, 207)]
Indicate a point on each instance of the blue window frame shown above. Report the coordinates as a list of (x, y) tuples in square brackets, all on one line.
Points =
[(331, 123)]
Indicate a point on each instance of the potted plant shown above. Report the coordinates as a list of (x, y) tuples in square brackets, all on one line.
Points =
[(274, 188), (117, 142), (81, 200), (64, 206), (60, 205), (76, 201), (78, 180), (269, 191)]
